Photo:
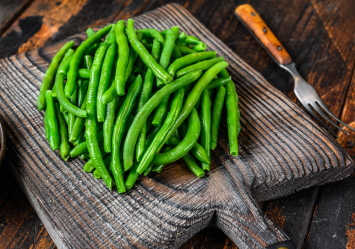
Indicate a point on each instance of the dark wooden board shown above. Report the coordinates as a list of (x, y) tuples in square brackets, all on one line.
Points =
[(243, 75), (10, 10)]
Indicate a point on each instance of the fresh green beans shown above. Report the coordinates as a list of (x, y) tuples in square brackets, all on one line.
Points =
[(203, 65), (91, 123), (219, 82), (65, 61), (158, 168), (132, 177), (186, 144), (188, 60), (166, 53), (71, 116), (206, 125), (146, 110), (158, 71), (106, 75), (200, 47), (160, 136), (192, 40), (153, 33), (82, 148), (216, 115), (232, 116), (64, 147), (83, 88), (75, 61), (108, 125), (192, 165), (51, 121), (185, 50), (176, 30), (181, 38), (50, 74), (84, 73), (118, 131)]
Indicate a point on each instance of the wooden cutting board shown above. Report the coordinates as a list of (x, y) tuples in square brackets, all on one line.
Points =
[(281, 151)]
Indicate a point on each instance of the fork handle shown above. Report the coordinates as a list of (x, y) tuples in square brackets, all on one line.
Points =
[(252, 21)]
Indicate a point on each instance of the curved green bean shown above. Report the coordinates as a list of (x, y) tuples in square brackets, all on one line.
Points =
[(75, 61), (186, 144), (158, 71), (203, 65), (118, 131), (64, 146), (188, 60), (216, 115), (53, 137), (50, 74), (65, 61), (146, 110)]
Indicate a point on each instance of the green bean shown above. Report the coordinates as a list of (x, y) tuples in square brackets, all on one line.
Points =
[(82, 148), (195, 93), (66, 60), (158, 71), (200, 47), (78, 124), (185, 50), (158, 168), (188, 60), (62, 109), (181, 38), (118, 131), (71, 117), (192, 165), (176, 52), (132, 177), (219, 82), (84, 73), (232, 118), (146, 110), (83, 88), (106, 76), (192, 40), (108, 124), (91, 123), (166, 53), (176, 30), (97, 174), (88, 60), (64, 101), (80, 139), (186, 144), (90, 32), (64, 147), (46, 128), (66, 119), (151, 136), (50, 74), (153, 33), (148, 169), (145, 95), (53, 137), (123, 52), (216, 115), (203, 65), (206, 126), (85, 156), (89, 166), (160, 136), (79, 53)]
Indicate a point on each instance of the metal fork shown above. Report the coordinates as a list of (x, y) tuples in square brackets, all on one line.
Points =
[(304, 91)]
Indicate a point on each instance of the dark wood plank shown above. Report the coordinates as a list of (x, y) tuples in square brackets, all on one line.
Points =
[(272, 171), (10, 10)]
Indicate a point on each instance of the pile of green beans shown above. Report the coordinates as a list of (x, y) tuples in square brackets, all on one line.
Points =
[(131, 101)]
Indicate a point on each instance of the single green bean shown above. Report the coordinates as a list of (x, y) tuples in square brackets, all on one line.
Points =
[(185, 50), (46, 128), (84, 73), (200, 47), (203, 65), (132, 177), (192, 165), (91, 122), (181, 38), (83, 88), (153, 33), (52, 121), (166, 53), (216, 115), (148, 169), (71, 117), (50, 74), (219, 82), (192, 40), (79, 53), (118, 131), (146, 110), (176, 30), (206, 126), (108, 124), (97, 174), (64, 146), (232, 116), (186, 144), (188, 60), (66, 119), (160, 136), (158, 71), (106, 76), (66, 60), (123, 53)]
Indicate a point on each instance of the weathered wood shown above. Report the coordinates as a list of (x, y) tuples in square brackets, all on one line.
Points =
[(269, 163), (9, 10)]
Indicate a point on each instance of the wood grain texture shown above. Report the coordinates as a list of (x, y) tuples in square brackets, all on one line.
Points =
[(9, 10), (252, 20), (174, 211)]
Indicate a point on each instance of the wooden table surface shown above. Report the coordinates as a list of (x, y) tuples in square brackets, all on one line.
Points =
[(318, 34)]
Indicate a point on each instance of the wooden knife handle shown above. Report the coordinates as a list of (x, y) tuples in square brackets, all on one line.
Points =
[(252, 20)]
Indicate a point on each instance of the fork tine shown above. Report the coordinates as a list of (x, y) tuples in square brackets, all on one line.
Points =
[(321, 121), (314, 105), (332, 115)]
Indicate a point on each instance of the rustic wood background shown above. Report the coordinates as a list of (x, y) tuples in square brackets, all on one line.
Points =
[(320, 37)]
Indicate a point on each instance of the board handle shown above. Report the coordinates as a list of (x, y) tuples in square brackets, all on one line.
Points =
[(252, 21)]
